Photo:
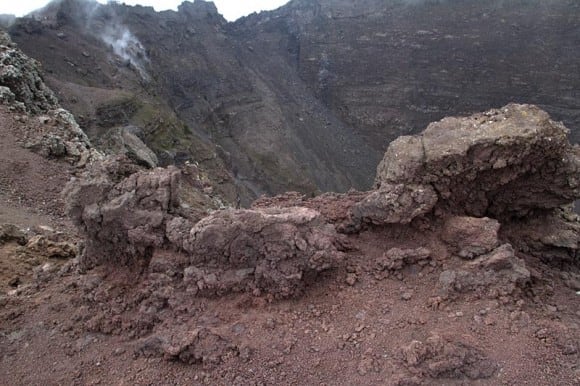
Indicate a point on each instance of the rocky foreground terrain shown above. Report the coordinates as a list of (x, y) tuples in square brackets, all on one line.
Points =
[(459, 266)]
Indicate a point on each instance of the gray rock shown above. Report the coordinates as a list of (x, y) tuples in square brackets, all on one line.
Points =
[(395, 204)]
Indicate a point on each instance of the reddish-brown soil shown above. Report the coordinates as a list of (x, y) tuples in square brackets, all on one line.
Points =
[(334, 334), (355, 325)]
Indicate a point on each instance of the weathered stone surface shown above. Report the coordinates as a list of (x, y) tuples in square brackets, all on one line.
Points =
[(498, 273), (22, 88), (396, 258), (504, 162), (438, 357), (123, 219), (21, 75), (10, 232), (43, 246), (553, 236), (127, 214), (470, 237), (395, 204), (125, 141), (271, 249), (190, 346)]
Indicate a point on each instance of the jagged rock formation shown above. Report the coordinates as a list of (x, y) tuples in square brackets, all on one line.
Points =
[(21, 80), (357, 76), (22, 88), (125, 212), (503, 162), (467, 166)]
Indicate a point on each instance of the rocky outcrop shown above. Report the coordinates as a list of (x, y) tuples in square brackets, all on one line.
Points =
[(154, 230), (127, 214), (126, 141), (271, 250), (22, 88), (123, 211), (467, 166), (21, 81), (503, 163)]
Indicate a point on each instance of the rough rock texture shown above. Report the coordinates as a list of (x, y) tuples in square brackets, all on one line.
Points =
[(121, 211), (21, 75), (22, 88), (504, 162), (441, 358), (273, 250), (10, 232), (553, 236), (498, 273), (43, 246), (126, 214), (470, 237), (125, 140), (190, 346), (396, 258), (395, 204)]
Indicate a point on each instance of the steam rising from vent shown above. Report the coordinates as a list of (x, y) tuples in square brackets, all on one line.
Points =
[(105, 23), (126, 46)]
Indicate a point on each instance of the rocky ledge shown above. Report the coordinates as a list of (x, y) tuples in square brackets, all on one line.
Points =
[(464, 177)]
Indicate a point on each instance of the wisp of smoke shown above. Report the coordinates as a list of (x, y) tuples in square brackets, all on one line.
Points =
[(126, 46)]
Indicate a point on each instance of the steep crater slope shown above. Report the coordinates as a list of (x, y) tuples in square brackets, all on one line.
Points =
[(306, 97), (269, 130), (391, 67)]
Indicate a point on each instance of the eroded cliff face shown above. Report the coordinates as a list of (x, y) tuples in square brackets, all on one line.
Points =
[(306, 97), (392, 67)]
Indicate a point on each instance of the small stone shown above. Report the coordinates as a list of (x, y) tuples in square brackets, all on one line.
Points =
[(542, 333), (573, 284), (569, 349), (407, 295), (119, 351), (351, 279)]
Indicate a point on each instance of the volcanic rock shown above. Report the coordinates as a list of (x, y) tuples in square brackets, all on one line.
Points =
[(274, 250), (395, 204), (441, 358), (498, 273), (21, 75), (10, 232), (471, 237), (504, 162)]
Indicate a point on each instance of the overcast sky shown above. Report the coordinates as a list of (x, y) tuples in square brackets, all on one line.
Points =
[(231, 9)]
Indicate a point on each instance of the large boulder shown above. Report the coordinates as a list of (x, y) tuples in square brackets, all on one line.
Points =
[(123, 210), (505, 162), (272, 250)]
